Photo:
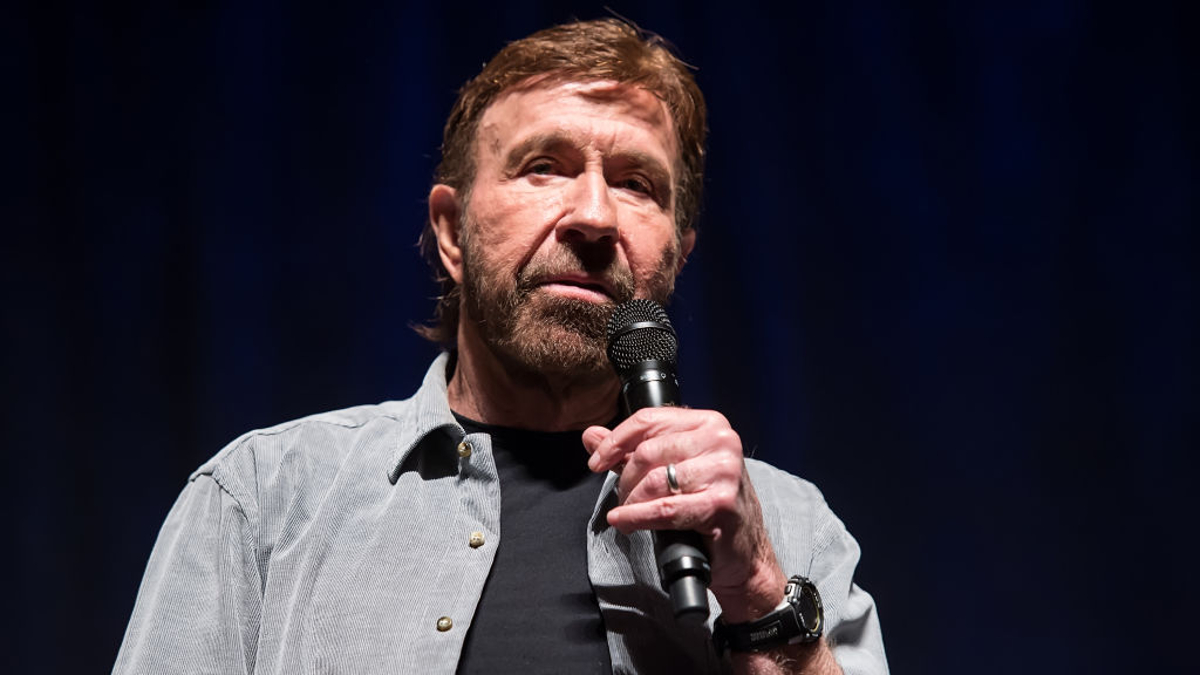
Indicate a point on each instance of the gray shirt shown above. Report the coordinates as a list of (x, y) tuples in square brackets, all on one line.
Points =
[(359, 541)]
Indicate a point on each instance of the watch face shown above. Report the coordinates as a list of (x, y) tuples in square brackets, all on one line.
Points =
[(810, 608)]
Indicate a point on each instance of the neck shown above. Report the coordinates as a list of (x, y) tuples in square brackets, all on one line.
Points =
[(486, 389)]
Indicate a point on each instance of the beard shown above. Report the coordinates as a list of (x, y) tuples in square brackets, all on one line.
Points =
[(540, 334)]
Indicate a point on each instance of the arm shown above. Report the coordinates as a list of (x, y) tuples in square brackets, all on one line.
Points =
[(718, 500), (199, 603)]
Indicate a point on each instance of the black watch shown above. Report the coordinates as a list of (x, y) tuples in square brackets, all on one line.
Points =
[(798, 619)]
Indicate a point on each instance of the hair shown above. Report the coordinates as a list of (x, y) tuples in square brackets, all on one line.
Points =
[(585, 51)]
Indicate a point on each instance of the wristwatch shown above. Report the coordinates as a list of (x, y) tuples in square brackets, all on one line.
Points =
[(798, 619)]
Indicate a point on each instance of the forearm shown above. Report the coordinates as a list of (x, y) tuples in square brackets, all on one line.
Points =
[(803, 659)]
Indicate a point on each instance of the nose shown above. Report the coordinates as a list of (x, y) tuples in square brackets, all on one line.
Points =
[(591, 215)]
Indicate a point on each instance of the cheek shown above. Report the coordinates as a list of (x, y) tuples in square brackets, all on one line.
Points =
[(650, 258), (514, 233), (496, 257), (527, 201), (491, 257), (517, 216)]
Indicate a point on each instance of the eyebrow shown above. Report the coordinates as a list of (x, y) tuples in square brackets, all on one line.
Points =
[(551, 141), (558, 141)]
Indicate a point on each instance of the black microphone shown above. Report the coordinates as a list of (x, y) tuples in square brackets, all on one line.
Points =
[(642, 348)]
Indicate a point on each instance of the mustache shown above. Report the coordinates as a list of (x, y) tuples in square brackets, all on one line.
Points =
[(564, 261)]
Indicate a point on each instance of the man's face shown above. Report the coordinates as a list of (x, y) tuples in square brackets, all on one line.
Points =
[(571, 213)]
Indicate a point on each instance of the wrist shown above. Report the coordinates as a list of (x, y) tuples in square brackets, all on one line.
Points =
[(798, 620), (756, 598)]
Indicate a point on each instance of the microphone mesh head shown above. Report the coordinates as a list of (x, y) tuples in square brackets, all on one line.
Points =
[(630, 344)]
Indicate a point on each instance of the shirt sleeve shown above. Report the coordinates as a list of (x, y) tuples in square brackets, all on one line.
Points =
[(853, 622), (200, 601), (810, 539)]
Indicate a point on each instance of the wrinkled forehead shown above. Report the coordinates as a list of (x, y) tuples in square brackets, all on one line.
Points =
[(547, 100)]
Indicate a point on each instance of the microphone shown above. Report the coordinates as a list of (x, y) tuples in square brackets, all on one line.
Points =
[(642, 348)]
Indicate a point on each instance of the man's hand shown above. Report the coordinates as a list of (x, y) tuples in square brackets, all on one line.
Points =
[(716, 498)]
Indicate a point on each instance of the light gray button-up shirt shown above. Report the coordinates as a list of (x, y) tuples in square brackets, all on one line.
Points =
[(359, 541)]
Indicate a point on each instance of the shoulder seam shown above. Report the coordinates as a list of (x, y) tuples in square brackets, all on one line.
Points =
[(224, 489), (315, 419)]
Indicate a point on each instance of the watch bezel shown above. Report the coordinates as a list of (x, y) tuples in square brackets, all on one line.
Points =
[(806, 589)]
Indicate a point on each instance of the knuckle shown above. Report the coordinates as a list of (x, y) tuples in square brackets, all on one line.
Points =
[(723, 499), (637, 453), (668, 509), (648, 416), (729, 466), (610, 444), (631, 471), (643, 456), (728, 437)]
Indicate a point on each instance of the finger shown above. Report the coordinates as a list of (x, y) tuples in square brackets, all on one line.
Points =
[(692, 476), (676, 512), (604, 455), (722, 447), (654, 454), (644, 424), (592, 438)]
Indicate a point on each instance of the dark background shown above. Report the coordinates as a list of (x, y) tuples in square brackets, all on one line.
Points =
[(946, 270)]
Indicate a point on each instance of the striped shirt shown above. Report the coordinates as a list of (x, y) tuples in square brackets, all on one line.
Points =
[(359, 541)]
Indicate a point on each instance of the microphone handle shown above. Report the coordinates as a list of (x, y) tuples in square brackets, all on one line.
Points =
[(685, 573), (682, 561)]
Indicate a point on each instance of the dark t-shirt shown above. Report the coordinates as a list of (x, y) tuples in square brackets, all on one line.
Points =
[(538, 612)]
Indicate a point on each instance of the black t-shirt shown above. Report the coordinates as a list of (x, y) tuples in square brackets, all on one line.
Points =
[(538, 613)]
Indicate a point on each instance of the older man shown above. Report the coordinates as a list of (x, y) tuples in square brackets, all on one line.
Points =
[(466, 529)]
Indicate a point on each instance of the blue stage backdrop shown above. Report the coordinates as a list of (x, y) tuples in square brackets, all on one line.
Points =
[(946, 270)]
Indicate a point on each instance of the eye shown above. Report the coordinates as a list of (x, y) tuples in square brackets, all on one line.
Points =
[(637, 184), (542, 166)]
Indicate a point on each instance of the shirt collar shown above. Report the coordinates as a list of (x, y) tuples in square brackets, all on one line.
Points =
[(430, 413)]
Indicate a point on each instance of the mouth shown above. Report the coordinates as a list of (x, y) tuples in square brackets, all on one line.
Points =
[(581, 287)]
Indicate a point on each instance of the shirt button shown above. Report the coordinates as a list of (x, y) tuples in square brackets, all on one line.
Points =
[(464, 449), (476, 539), (445, 623)]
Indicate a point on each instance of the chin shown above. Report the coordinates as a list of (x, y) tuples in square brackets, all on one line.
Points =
[(561, 338)]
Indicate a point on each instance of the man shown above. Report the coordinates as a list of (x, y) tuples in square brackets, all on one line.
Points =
[(465, 528)]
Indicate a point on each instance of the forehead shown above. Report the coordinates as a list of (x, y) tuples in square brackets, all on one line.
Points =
[(607, 115)]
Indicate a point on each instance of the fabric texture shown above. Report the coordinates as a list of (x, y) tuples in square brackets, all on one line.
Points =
[(339, 543)]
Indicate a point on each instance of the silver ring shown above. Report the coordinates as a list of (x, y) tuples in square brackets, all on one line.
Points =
[(672, 480)]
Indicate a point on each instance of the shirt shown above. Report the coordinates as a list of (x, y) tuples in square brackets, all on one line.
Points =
[(359, 541), (538, 609)]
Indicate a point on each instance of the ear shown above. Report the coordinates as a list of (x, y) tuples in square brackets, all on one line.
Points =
[(686, 243), (444, 216)]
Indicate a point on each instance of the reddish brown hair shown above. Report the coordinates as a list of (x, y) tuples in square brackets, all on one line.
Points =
[(603, 49)]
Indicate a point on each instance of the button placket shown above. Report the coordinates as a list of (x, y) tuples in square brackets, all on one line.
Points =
[(476, 479)]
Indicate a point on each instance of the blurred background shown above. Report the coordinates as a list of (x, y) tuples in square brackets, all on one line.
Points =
[(946, 271)]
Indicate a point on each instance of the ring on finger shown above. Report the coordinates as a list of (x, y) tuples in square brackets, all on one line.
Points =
[(673, 480)]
